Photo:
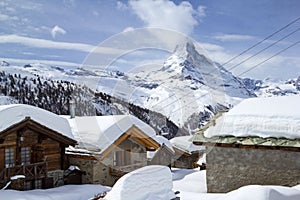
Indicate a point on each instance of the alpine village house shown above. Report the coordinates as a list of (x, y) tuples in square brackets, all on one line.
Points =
[(32, 144), (256, 143), (46, 150)]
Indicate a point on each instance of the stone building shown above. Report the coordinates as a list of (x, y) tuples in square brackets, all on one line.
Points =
[(186, 153), (255, 143)]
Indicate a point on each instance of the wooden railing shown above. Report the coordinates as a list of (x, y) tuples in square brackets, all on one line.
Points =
[(30, 171), (119, 171)]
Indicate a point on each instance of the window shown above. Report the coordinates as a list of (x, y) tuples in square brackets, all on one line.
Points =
[(38, 184), (27, 185), (122, 158), (9, 157), (25, 155)]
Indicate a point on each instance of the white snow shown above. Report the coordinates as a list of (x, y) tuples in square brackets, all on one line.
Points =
[(263, 117), (196, 180), (155, 183), (73, 167), (147, 183), (74, 192), (185, 144), (97, 133), (258, 192), (17, 177), (15, 113), (161, 140)]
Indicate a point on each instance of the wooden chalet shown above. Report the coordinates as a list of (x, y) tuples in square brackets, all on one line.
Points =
[(32, 144), (110, 146)]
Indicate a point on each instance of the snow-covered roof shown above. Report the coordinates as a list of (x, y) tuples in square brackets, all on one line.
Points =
[(161, 140), (97, 133), (277, 117), (185, 144), (15, 113)]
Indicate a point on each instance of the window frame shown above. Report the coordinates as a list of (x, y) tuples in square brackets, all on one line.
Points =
[(25, 155), (10, 157)]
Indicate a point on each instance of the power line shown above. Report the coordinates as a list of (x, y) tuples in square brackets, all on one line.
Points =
[(258, 43), (279, 52), (255, 66), (243, 52), (264, 49)]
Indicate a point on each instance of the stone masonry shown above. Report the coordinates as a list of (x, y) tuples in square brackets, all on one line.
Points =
[(231, 168)]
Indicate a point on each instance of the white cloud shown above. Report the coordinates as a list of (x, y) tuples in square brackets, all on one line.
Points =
[(57, 30), (211, 47), (234, 37), (4, 17), (42, 43), (121, 6), (167, 15), (201, 11), (128, 29), (48, 62), (279, 67)]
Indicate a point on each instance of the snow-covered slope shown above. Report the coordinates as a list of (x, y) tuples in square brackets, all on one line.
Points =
[(188, 88), (269, 88)]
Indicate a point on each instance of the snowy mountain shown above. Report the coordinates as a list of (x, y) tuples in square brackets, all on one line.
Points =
[(188, 88), (269, 88), (177, 97)]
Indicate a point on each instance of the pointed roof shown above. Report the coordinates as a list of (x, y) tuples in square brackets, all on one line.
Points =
[(99, 133), (15, 115)]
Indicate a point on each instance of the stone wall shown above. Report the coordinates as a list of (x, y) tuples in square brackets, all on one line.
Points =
[(85, 165), (230, 168)]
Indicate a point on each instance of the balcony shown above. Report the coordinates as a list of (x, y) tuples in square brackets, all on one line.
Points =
[(31, 171)]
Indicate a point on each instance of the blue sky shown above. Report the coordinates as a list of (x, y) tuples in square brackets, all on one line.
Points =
[(67, 30)]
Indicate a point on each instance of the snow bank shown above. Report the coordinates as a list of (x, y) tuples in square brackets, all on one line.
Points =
[(147, 183), (263, 117), (189, 180), (73, 192), (263, 193), (15, 113)]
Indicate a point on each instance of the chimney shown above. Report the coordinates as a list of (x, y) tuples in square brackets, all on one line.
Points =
[(72, 109)]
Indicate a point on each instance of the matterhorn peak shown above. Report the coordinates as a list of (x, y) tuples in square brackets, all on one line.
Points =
[(185, 48)]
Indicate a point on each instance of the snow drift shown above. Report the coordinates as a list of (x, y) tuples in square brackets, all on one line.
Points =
[(147, 183), (263, 193)]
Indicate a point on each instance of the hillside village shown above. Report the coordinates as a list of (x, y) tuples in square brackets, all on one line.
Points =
[(149, 100), (59, 135), (43, 150)]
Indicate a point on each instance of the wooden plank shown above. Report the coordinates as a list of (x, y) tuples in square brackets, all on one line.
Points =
[(2, 159)]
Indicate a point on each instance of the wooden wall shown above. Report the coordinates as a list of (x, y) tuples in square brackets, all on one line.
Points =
[(42, 148)]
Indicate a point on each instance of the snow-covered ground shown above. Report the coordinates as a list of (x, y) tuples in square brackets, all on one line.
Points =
[(191, 183), (72, 192)]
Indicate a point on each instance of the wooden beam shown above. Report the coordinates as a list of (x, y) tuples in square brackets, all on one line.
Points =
[(33, 125)]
